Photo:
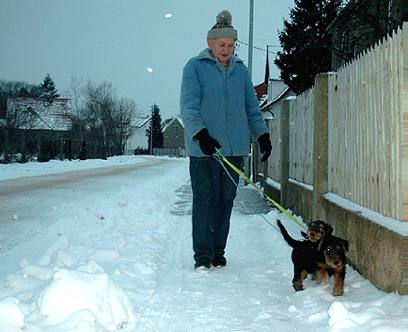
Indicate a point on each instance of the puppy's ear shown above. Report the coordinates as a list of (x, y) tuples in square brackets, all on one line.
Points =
[(329, 229)]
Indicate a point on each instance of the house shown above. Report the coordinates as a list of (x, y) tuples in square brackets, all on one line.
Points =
[(138, 142), (39, 114), (36, 127), (173, 133), (261, 91), (271, 106), (277, 92)]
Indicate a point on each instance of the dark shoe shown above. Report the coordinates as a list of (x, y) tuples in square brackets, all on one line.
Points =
[(219, 261), (202, 265)]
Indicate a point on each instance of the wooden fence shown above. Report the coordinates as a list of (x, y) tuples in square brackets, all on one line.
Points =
[(360, 155), (367, 130), (301, 117)]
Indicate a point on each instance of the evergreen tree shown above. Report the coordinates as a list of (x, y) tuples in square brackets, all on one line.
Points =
[(23, 92), (155, 133), (48, 88), (306, 45)]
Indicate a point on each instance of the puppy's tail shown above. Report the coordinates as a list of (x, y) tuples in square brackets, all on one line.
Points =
[(292, 242)]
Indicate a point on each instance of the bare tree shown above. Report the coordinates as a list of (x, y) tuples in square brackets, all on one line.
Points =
[(76, 93), (18, 122), (22, 119), (126, 112), (108, 118), (360, 25), (100, 106)]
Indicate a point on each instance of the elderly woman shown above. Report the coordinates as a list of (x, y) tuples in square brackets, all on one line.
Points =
[(220, 110)]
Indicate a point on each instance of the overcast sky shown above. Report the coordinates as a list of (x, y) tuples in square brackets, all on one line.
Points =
[(139, 46)]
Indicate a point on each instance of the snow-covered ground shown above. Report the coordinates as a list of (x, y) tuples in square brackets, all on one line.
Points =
[(116, 255)]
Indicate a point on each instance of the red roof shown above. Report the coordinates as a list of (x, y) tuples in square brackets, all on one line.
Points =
[(261, 90)]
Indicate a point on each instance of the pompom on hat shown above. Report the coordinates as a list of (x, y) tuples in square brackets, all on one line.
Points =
[(223, 27)]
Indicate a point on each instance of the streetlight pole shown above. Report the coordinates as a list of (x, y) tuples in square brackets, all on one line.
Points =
[(151, 134), (251, 36), (250, 50)]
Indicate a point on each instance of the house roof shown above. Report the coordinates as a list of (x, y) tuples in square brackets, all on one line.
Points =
[(51, 115), (140, 121), (166, 123), (266, 105)]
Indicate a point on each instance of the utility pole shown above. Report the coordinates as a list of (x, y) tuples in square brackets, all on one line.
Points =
[(248, 161), (251, 36), (151, 133)]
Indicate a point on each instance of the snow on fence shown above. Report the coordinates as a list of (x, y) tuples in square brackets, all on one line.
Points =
[(274, 163), (365, 128), (301, 118)]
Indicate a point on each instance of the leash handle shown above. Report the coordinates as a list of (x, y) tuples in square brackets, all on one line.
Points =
[(246, 178)]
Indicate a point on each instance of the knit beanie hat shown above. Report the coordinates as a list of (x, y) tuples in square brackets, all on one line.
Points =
[(223, 27)]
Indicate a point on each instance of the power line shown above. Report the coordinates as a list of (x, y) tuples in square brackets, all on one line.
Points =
[(258, 48)]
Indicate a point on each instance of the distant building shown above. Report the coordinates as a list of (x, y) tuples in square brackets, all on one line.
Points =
[(173, 133), (139, 141), (36, 129), (39, 114), (277, 92), (261, 91)]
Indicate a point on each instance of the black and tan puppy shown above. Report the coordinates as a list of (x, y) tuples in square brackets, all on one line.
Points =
[(317, 231), (334, 252), (307, 254)]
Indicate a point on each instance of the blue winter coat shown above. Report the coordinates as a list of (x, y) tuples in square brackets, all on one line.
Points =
[(221, 100)]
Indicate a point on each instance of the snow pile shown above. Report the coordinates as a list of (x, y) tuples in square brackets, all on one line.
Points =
[(11, 316), (72, 292), (346, 316)]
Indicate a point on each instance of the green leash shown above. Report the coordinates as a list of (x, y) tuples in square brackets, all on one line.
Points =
[(219, 156)]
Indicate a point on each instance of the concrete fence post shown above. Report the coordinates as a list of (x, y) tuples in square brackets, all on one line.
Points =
[(284, 176), (320, 146), (265, 165)]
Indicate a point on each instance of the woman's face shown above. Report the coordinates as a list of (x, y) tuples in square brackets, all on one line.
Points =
[(222, 49)]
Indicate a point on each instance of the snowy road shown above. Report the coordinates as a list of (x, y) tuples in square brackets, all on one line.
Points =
[(29, 205), (29, 185), (110, 250)]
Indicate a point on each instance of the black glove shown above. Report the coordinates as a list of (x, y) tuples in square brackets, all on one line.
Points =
[(265, 146), (207, 143)]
